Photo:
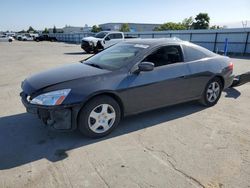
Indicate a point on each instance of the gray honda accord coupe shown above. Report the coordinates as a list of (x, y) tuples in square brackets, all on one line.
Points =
[(127, 78)]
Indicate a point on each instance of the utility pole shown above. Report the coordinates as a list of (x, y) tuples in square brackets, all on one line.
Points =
[(244, 24)]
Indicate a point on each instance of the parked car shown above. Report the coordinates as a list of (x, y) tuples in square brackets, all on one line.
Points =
[(45, 38), (34, 35), (25, 37), (4, 38), (102, 40), (19, 37), (127, 78), (11, 34)]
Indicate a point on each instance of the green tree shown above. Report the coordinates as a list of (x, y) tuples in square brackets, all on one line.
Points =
[(125, 27), (201, 21), (170, 26), (96, 29), (31, 30), (215, 27), (23, 31), (46, 31), (187, 22), (54, 29)]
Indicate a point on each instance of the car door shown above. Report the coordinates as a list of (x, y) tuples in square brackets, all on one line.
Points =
[(3, 38), (165, 85)]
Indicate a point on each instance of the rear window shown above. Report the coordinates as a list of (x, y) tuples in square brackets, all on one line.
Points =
[(195, 52)]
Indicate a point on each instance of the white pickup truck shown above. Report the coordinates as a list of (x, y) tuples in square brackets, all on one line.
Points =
[(25, 37), (102, 40)]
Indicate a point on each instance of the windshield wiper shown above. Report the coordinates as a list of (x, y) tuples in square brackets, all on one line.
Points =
[(94, 65)]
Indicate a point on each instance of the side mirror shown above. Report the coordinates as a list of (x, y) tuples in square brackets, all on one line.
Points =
[(146, 66)]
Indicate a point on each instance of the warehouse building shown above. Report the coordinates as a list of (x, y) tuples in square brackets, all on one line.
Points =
[(72, 29)]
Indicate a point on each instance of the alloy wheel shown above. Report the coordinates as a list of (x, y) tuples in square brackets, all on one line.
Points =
[(213, 92), (101, 118)]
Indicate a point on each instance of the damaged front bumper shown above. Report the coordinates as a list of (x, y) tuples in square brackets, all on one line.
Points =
[(62, 117), (86, 46)]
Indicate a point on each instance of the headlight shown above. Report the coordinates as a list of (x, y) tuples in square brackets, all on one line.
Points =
[(51, 98)]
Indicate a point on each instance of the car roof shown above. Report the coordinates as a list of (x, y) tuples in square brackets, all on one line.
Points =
[(110, 32), (155, 42)]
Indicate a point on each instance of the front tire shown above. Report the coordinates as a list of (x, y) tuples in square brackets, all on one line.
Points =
[(212, 92), (87, 51), (99, 117)]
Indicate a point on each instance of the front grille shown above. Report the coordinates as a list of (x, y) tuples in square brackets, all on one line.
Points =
[(85, 44)]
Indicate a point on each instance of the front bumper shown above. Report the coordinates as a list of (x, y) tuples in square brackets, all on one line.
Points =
[(62, 117), (86, 46)]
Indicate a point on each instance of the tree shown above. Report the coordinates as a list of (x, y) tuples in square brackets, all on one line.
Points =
[(23, 31), (96, 29), (215, 27), (187, 22), (54, 29), (170, 26), (31, 30), (125, 27), (46, 31), (201, 21)]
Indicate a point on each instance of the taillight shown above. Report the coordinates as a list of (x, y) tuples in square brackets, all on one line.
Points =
[(231, 66)]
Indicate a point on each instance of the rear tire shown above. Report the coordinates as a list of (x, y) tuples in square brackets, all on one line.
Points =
[(212, 92), (99, 117)]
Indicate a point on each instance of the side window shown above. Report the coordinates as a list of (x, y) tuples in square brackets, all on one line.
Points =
[(118, 36), (193, 53), (165, 55), (111, 36)]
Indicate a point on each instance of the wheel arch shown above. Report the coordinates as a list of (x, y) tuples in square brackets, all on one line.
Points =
[(104, 93), (221, 78)]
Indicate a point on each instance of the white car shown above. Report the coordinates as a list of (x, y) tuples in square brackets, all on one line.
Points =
[(34, 35), (25, 37), (102, 40), (4, 38)]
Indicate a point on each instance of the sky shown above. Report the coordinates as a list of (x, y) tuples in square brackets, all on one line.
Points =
[(20, 14)]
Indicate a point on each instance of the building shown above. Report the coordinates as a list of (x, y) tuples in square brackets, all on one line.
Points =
[(134, 27), (72, 29)]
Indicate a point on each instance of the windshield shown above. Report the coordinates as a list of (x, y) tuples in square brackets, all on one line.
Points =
[(101, 35), (115, 57)]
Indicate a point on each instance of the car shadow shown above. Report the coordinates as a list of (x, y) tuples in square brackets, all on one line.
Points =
[(75, 53), (247, 57), (24, 139), (232, 93)]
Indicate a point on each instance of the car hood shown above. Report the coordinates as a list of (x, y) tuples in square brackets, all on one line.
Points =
[(59, 75), (91, 39)]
